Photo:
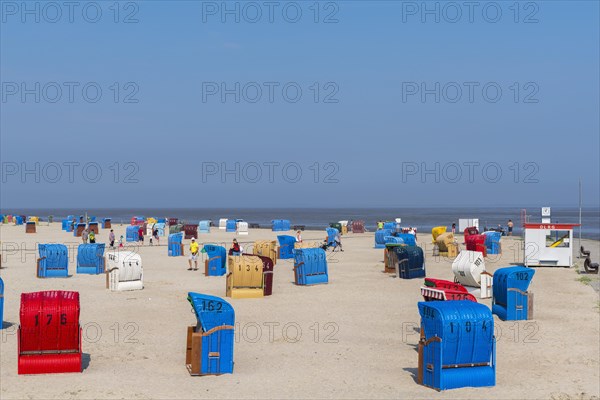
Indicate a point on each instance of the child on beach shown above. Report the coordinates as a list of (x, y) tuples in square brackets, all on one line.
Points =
[(299, 237), (510, 227), (92, 237), (121, 241)]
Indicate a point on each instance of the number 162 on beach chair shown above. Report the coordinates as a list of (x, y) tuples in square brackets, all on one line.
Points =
[(210, 343)]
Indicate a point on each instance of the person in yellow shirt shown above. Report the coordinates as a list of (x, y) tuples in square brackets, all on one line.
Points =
[(193, 255)]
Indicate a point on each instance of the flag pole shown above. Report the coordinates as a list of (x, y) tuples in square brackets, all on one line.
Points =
[(580, 213)]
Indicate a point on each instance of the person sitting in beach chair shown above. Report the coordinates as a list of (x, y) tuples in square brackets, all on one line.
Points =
[(235, 249)]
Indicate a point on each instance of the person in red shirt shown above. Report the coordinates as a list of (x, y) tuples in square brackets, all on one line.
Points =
[(235, 249), (141, 234)]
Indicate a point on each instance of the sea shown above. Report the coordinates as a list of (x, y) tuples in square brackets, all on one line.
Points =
[(423, 218)]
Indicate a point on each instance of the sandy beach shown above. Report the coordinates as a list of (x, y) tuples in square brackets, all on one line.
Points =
[(355, 337)]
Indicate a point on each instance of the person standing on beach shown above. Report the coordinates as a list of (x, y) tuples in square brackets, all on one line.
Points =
[(510, 227), (193, 255), (92, 237), (155, 235), (338, 240), (299, 237), (141, 234), (453, 229), (111, 239), (84, 235)]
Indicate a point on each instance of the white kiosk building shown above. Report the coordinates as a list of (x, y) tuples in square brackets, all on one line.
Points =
[(548, 244)]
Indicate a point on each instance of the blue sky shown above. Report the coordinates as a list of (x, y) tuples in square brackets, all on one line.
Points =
[(367, 129)]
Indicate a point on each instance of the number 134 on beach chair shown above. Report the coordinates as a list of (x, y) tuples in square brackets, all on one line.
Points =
[(245, 278)]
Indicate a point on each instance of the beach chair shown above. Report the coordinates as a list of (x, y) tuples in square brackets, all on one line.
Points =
[(209, 349), (511, 300), (90, 258), (175, 244), (204, 226), (49, 335), (53, 261), (469, 270), (245, 278), (380, 236), (310, 267), (106, 223), (492, 242), (471, 230), (331, 237), (267, 248), (124, 271), (231, 225), (358, 226), (447, 245), (476, 243), (176, 228), (286, 247), (390, 257), (242, 228), (409, 262), (590, 268), (131, 233), (93, 227), (437, 231), (191, 231), (457, 346), (215, 263)]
